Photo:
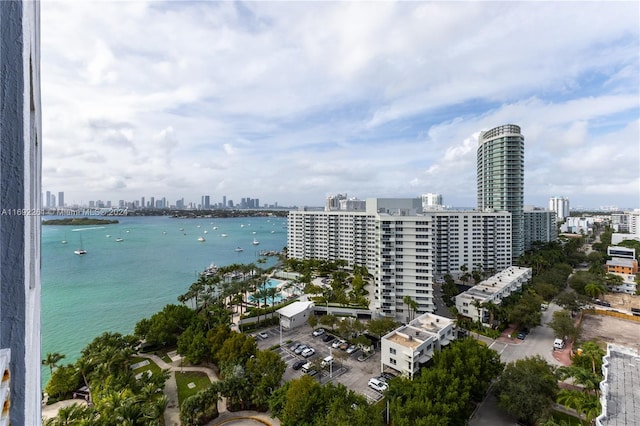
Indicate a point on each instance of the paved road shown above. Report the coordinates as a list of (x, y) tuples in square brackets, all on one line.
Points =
[(538, 342)]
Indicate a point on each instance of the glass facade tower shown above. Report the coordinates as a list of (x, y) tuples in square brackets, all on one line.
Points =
[(501, 178)]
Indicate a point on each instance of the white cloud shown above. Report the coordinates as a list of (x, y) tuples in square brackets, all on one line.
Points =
[(288, 102)]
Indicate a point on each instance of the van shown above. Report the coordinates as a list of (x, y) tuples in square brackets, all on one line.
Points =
[(558, 344), (327, 361)]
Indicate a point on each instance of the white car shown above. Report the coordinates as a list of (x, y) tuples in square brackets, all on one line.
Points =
[(378, 385), (337, 343), (318, 332), (308, 352), (327, 361), (263, 335)]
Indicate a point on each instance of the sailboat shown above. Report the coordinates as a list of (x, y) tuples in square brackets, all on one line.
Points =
[(65, 239), (255, 242), (81, 250), (119, 239)]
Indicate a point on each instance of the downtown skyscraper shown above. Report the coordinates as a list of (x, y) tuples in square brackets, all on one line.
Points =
[(500, 171)]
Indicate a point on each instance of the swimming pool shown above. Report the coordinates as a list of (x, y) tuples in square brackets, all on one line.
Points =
[(271, 283)]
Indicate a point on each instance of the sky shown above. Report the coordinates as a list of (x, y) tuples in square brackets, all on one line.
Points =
[(291, 102)]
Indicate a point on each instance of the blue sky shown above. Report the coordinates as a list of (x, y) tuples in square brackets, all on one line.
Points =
[(291, 102)]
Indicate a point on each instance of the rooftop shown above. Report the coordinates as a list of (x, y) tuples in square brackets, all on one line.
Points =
[(494, 284), (426, 326), (619, 261), (620, 388), (294, 308)]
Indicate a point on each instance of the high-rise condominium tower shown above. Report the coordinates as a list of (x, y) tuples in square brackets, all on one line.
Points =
[(501, 177), (560, 205)]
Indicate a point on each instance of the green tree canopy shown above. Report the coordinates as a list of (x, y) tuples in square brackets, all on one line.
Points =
[(527, 388), (563, 325)]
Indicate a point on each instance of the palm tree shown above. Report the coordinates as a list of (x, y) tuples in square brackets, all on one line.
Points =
[(52, 359), (273, 293), (478, 306), (257, 297), (84, 367), (594, 289), (412, 305)]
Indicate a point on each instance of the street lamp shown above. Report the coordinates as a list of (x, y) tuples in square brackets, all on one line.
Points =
[(330, 364)]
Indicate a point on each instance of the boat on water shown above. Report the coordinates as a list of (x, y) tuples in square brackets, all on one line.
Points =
[(181, 229), (241, 226), (119, 240), (201, 239), (273, 232), (223, 235), (65, 239), (210, 270), (215, 227), (239, 249), (206, 232), (81, 250), (108, 235), (255, 242)]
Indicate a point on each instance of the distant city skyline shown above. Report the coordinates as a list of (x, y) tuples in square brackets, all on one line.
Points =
[(297, 101)]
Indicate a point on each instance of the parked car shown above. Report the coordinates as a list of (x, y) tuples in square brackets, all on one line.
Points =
[(295, 346), (298, 365), (308, 352), (300, 348), (327, 361), (378, 385), (351, 349), (387, 376), (344, 345), (337, 343), (263, 335), (318, 332), (327, 337), (312, 373), (522, 335), (558, 344), (306, 367)]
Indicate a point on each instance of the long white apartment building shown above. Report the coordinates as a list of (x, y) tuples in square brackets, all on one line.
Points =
[(410, 347), (491, 290), (403, 247)]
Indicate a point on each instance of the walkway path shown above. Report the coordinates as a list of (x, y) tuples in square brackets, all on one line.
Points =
[(172, 412)]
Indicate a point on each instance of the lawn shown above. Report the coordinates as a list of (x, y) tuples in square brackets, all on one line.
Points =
[(201, 380), (153, 367)]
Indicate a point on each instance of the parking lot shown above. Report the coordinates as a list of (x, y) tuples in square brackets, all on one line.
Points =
[(346, 368)]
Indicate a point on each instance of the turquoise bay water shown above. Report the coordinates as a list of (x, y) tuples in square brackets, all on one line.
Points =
[(118, 283)]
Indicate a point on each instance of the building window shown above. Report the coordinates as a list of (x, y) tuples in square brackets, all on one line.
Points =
[(392, 351), (392, 361)]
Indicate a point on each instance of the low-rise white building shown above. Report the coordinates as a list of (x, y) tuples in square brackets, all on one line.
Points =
[(408, 348), (628, 285), (295, 314), (492, 290)]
